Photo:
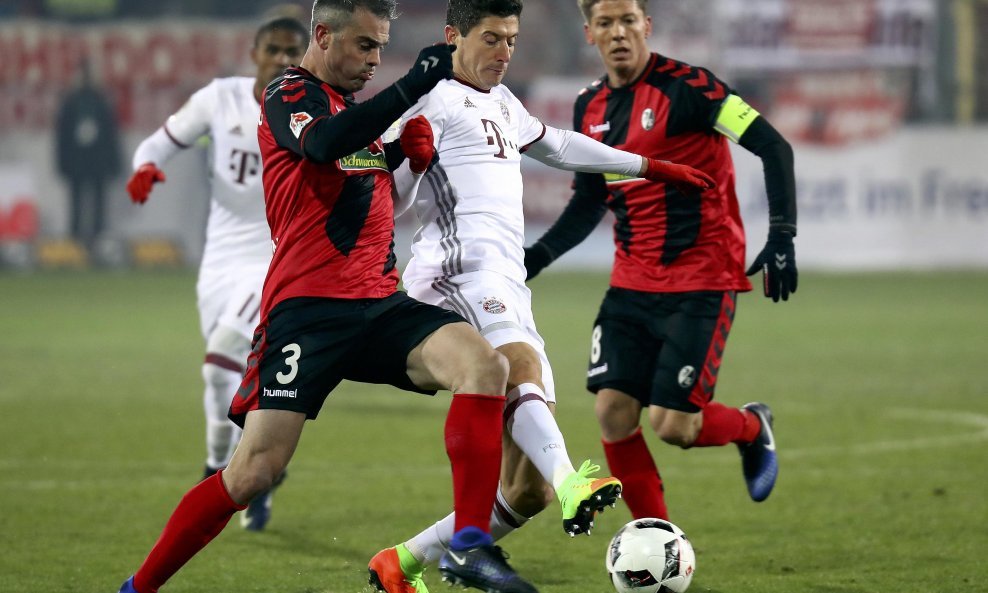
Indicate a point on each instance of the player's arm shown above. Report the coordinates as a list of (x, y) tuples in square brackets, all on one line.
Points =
[(323, 137), (180, 131), (777, 261), (572, 151), (581, 216)]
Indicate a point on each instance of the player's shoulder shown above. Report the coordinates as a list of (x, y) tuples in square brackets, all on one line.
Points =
[(233, 86), (587, 93), (664, 71)]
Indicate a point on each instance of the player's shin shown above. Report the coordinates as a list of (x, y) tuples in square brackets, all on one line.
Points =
[(631, 462), (201, 515), (473, 444)]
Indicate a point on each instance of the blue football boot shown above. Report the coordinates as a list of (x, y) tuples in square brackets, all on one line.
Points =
[(758, 458), (483, 567), (128, 586)]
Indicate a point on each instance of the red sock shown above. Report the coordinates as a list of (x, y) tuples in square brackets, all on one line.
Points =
[(473, 443), (630, 461), (723, 425), (203, 512)]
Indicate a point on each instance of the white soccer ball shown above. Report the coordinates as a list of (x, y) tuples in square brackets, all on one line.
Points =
[(650, 556)]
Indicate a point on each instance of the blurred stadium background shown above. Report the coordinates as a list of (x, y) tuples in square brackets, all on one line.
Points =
[(886, 102), (877, 379)]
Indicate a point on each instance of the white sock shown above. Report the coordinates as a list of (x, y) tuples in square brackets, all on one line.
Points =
[(222, 435), (430, 544), (535, 431)]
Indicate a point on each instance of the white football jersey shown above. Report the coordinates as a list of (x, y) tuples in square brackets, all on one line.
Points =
[(226, 110), (469, 204)]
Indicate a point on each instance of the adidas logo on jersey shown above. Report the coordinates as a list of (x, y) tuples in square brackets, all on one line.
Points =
[(468, 103), (236, 131)]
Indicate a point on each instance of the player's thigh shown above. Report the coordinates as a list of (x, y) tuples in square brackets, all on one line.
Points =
[(695, 336), (268, 443), (420, 347), (623, 349), (501, 310), (456, 358)]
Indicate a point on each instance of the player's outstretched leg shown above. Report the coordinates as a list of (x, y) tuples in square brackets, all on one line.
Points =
[(484, 566), (758, 459), (395, 570), (258, 512), (128, 586), (582, 497)]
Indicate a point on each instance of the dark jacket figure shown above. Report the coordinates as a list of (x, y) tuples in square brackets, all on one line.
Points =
[(88, 155)]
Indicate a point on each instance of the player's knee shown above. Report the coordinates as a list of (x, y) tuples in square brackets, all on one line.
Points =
[(617, 421), (490, 370), (678, 433), (245, 480)]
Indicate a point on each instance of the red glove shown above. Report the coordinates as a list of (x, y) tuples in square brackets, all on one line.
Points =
[(416, 143), (684, 177), (139, 186)]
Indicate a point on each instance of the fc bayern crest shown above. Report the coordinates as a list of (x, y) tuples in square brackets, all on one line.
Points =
[(504, 111), (493, 305), (648, 119)]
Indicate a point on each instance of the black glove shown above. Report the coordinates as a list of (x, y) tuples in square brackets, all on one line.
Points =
[(434, 63), (537, 257), (778, 263)]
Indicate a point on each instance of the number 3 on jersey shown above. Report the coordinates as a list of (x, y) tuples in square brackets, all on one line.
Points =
[(291, 361)]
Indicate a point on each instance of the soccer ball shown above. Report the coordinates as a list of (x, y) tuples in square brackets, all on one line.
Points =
[(650, 556)]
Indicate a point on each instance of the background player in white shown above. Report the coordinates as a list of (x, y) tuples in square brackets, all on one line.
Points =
[(468, 257), (238, 240)]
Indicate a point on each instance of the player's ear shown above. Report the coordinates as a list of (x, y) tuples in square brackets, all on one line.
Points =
[(648, 26), (452, 34), (586, 34), (323, 35)]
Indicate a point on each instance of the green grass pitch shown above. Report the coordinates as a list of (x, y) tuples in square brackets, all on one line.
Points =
[(878, 383)]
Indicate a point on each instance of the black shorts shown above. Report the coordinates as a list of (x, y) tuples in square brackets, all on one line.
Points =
[(308, 345), (661, 348)]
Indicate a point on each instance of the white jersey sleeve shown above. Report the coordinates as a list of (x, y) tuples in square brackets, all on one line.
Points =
[(181, 129), (571, 151)]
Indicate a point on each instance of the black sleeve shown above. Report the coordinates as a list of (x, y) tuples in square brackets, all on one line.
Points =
[(776, 153), (328, 137), (581, 216)]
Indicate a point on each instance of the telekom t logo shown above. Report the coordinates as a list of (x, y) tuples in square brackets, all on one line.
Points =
[(244, 164), (497, 138)]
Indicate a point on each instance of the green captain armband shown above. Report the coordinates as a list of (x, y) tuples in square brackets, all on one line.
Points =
[(734, 118)]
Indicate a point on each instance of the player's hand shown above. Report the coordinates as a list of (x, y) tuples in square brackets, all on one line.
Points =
[(416, 142), (139, 186), (434, 63), (684, 177), (777, 261), (537, 257)]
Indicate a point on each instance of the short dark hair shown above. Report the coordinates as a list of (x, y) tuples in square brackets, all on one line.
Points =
[(284, 23), (337, 13), (466, 14), (587, 5)]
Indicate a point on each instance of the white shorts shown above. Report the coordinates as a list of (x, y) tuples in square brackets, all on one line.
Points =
[(499, 307), (230, 297)]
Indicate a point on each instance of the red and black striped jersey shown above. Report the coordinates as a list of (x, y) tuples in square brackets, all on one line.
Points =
[(330, 213), (667, 241)]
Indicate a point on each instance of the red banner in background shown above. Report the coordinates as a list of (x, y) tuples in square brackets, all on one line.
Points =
[(147, 71), (835, 24)]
